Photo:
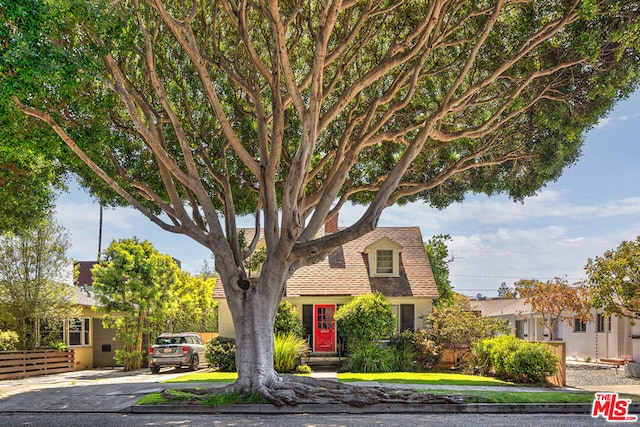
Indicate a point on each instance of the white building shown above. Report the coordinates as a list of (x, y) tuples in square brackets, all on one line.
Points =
[(612, 339)]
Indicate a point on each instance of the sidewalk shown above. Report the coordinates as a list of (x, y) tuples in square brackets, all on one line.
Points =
[(102, 391)]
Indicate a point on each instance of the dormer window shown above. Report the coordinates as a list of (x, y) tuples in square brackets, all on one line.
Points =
[(384, 261), (384, 258)]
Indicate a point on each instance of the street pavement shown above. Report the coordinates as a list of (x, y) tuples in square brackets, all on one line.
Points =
[(114, 391)]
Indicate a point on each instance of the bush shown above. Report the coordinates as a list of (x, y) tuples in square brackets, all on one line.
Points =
[(414, 351), (404, 354), (8, 340), (366, 317), (288, 319), (514, 359), (221, 354), (532, 363), (367, 356), (286, 349), (428, 355)]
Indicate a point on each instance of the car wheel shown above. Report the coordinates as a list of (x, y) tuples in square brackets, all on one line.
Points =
[(154, 369), (195, 362)]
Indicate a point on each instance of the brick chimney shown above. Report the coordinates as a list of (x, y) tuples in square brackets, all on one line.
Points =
[(331, 226)]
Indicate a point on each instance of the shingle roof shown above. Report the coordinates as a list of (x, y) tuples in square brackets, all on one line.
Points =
[(345, 272)]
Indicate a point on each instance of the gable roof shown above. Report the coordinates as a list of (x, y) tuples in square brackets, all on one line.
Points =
[(345, 272)]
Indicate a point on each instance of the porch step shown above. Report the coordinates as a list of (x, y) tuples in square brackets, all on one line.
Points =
[(324, 363)]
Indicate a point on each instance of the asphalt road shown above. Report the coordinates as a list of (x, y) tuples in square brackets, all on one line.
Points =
[(306, 420)]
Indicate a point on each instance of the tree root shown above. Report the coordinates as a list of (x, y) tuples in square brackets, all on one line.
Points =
[(292, 390)]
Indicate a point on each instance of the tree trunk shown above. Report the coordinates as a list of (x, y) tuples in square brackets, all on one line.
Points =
[(254, 314)]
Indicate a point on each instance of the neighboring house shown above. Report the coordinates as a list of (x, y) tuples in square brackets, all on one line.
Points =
[(101, 349), (604, 339), (389, 260)]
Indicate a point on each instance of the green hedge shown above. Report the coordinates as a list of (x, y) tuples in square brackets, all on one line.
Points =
[(514, 359)]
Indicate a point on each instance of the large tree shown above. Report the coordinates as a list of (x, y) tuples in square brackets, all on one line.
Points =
[(135, 286), (614, 280), (196, 112), (35, 277)]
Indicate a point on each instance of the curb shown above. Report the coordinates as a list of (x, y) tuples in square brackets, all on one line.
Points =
[(380, 408)]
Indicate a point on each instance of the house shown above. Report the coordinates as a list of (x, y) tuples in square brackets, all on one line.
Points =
[(97, 346), (605, 338), (389, 260)]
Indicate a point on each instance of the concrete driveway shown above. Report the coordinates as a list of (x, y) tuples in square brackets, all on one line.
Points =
[(96, 390)]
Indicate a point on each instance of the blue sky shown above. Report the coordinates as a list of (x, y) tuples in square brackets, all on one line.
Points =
[(593, 207)]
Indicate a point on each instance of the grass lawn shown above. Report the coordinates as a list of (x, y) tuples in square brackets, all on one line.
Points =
[(435, 378), (440, 378)]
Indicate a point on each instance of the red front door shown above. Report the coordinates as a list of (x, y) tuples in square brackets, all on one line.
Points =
[(324, 331)]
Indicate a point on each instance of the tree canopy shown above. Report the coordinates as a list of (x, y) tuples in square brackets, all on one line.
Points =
[(133, 284), (614, 279), (196, 112)]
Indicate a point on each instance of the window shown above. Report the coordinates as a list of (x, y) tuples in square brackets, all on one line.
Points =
[(51, 332), (384, 261), (603, 323), (579, 325), (79, 332), (407, 317)]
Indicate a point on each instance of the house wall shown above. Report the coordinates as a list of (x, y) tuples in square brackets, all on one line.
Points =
[(225, 321), (84, 353), (422, 307)]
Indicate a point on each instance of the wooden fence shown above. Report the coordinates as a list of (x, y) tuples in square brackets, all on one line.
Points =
[(27, 363)]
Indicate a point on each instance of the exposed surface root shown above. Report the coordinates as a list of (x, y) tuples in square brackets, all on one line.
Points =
[(293, 390)]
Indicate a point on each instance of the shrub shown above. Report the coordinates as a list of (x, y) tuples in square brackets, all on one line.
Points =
[(286, 348), (221, 354), (367, 356), (303, 369), (515, 359), (366, 317), (288, 319), (8, 340), (428, 354), (404, 354), (532, 362), (414, 351)]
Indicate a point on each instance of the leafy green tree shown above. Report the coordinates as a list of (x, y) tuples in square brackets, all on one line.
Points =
[(365, 318), (439, 258), (133, 283), (288, 320), (193, 307), (35, 277), (614, 279), (457, 326), (195, 113)]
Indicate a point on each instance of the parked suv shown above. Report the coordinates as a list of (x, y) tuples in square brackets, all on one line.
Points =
[(185, 349)]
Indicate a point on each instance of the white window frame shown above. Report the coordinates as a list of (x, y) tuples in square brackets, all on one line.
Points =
[(84, 331), (380, 256)]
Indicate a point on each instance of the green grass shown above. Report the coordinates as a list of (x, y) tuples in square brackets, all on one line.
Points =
[(440, 378), (206, 377), (435, 378), (155, 398), (212, 399)]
